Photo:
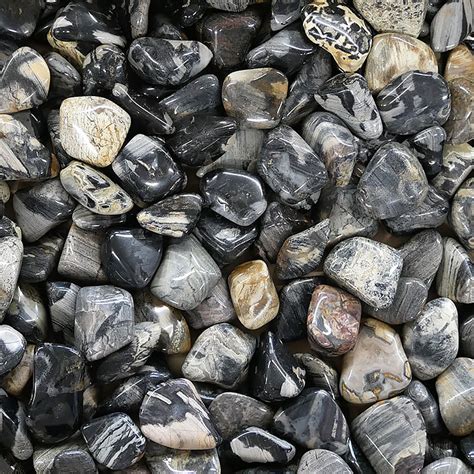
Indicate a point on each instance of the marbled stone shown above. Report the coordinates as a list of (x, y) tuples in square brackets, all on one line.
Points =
[(65, 79), (94, 190), (377, 367), (454, 387), (55, 408), (114, 441), (337, 29), (461, 214), (284, 12), (167, 62), (460, 63), (11, 249), (427, 146), (186, 275), (392, 435), (460, 125), (15, 381), (92, 129), (72, 460), (276, 375), (319, 374), (456, 273), (221, 355), (314, 421), (348, 97), (322, 460), (451, 465), (103, 320), (302, 253), (232, 412), (19, 18), (466, 339), (174, 416), (368, 269), (90, 221), (131, 257), (427, 405), (137, 12), (253, 294), (414, 101), (255, 97)]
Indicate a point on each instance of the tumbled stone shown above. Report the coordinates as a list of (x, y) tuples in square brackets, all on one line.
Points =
[(12, 348), (284, 12), (17, 378), (255, 97), (74, 460), (460, 63), (319, 374), (65, 79), (427, 405), (466, 339), (392, 435), (368, 269), (322, 460), (451, 465), (19, 18), (11, 249), (454, 387), (428, 148), (439, 447), (253, 294), (461, 214), (460, 125), (52, 122), (228, 5), (467, 447)]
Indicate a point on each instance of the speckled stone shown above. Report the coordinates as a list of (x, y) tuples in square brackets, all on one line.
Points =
[(12, 348), (322, 460), (253, 294), (11, 249), (460, 125), (427, 405), (319, 374), (461, 214), (460, 63)]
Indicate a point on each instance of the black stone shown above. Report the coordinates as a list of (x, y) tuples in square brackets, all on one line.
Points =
[(73, 460), (18, 18), (65, 79)]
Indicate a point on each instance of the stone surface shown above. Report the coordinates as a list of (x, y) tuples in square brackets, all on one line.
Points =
[(319, 374), (460, 63), (253, 294), (461, 215), (377, 367), (19, 18), (467, 447), (427, 405), (11, 250), (466, 339), (90, 221), (74, 460), (284, 12), (322, 460), (460, 125), (12, 348), (17, 378), (428, 148), (65, 79), (454, 465)]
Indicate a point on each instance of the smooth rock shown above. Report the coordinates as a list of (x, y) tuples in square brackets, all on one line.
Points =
[(466, 339), (451, 465), (461, 214), (90, 221), (52, 121), (439, 447), (12, 348), (319, 374), (460, 63), (467, 448), (427, 405), (15, 381), (228, 5), (460, 125), (74, 51), (322, 460), (19, 18), (65, 79), (71, 460), (284, 12), (428, 148), (11, 249)]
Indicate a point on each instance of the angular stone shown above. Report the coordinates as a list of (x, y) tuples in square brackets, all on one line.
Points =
[(174, 416), (221, 355), (454, 465), (314, 420), (11, 250), (461, 214), (427, 405), (167, 62), (460, 63), (255, 97), (428, 148), (15, 381), (368, 269), (377, 367), (276, 375), (322, 460), (454, 387), (460, 125), (253, 294), (186, 275), (78, 460), (348, 97), (319, 374), (114, 441), (12, 348), (65, 79), (392, 435)]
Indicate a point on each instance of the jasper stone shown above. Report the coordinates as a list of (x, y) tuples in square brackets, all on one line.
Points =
[(460, 125), (314, 420), (92, 129), (427, 405), (12, 348), (65, 79), (454, 387), (255, 97), (392, 435), (368, 269), (377, 367), (11, 250), (322, 460), (114, 441), (460, 216), (167, 62), (103, 320), (319, 374), (253, 294), (428, 148), (338, 30), (174, 416), (460, 63), (186, 275)]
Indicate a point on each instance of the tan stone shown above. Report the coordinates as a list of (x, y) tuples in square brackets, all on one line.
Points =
[(15, 381), (460, 63)]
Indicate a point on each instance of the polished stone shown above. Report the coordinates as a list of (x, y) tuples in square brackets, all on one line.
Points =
[(427, 405), (466, 339), (319, 374), (15, 381), (12, 348), (460, 63), (19, 18), (460, 125), (65, 79), (52, 122), (439, 447), (449, 464), (322, 460), (284, 12), (90, 221), (467, 448), (11, 249), (72, 460), (228, 5), (428, 148)]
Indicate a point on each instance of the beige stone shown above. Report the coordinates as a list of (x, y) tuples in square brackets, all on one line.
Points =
[(15, 381), (460, 64)]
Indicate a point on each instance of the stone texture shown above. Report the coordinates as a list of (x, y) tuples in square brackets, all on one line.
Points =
[(460, 63), (11, 249), (15, 381), (319, 374), (460, 125), (12, 348), (322, 460), (461, 214)]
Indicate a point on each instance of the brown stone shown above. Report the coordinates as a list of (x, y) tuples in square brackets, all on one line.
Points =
[(460, 63), (460, 125)]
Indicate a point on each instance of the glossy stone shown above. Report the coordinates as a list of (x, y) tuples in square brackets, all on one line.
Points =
[(73, 460), (74, 51), (322, 460), (52, 122), (427, 405), (146, 169), (92, 129), (11, 250), (439, 447), (460, 125), (89, 221), (454, 387), (174, 416), (131, 257), (221, 354), (460, 63), (12, 348), (466, 339), (186, 275), (167, 62), (428, 148), (414, 101), (460, 216), (284, 12), (253, 294), (313, 420), (368, 269), (276, 375), (114, 440), (15, 381), (65, 79), (392, 435), (19, 18), (348, 97), (454, 465), (319, 374), (255, 97), (55, 408)]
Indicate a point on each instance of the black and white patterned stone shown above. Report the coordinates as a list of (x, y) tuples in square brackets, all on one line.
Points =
[(13, 432), (348, 97), (291, 168), (431, 341), (103, 320), (276, 375), (392, 435), (427, 405), (131, 256), (19, 18), (314, 421), (90, 221), (65, 79), (8, 228), (414, 101), (74, 460), (161, 26), (456, 273), (52, 122), (368, 269), (114, 440), (236, 195), (319, 374), (461, 213), (55, 408), (221, 355), (466, 337), (409, 300), (467, 448), (186, 275), (167, 62), (11, 249), (322, 460), (440, 446), (256, 445), (449, 464), (284, 12), (12, 348), (428, 148), (174, 416)]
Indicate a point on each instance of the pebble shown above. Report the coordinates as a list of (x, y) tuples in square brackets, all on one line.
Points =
[(284, 12), (12, 348), (65, 79), (460, 63), (322, 460), (428, 148), (454, 465), (11, 249), (15, 381), (460, 125), (466, 340), (74, 460), (467, 448), (19, 18), (319, 374)]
